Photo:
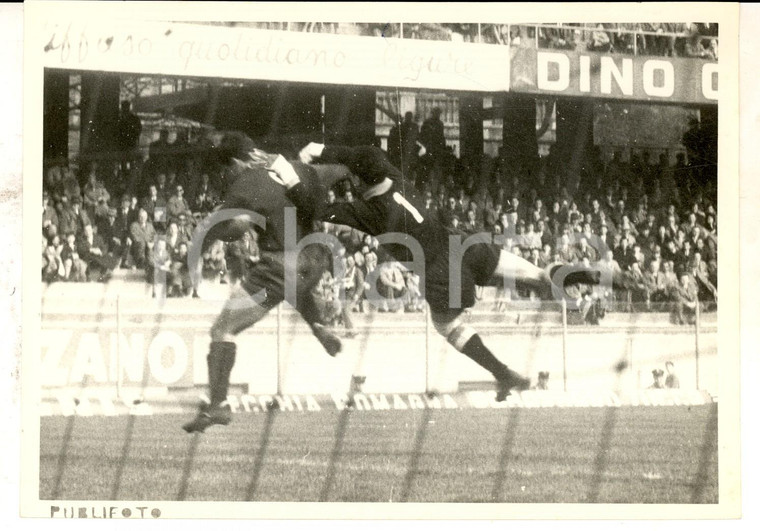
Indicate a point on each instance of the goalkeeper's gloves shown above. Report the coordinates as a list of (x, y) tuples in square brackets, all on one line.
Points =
[(310, 152), (282, 172)]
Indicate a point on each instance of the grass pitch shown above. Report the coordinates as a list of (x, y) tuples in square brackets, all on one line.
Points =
[(628, 455)]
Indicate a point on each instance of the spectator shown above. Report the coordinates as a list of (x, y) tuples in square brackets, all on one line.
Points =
[(392, 287), (604, 239), (454, 226), (584, 250), (162, 186), (155, 205), (174, 238), (432, 134), (143, 235), (433, 152), (694, 48), (535, 257), (325, 297), (179, 280), (206, 197), (532, 239), (655, 284), (545, 256), (699, 271), (353, 289), (430, 210), (506, 229), (671, 381), (53, 180), (127, 214), (414, 302), (711, 227), (94, 251), (608, 263), (684, 300), (600, 40), (684, 257), (658, 381), (636, 285), (67, 221), (49, 215), (52, 264), (472, 225), (669, 276), (185, 226), (544, 234), (96, 197), (542, 384), (567, 253), (370, 258), (75, 268), (70, 186), (242, 254), (215, 261), (409, 146), (625, 255), (177, 204), (493, 214), (158, 266)]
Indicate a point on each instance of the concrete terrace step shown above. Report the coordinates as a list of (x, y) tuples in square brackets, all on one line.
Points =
[(66, 301)]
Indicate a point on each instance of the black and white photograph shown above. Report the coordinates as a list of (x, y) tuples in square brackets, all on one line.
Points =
[(380, 255)]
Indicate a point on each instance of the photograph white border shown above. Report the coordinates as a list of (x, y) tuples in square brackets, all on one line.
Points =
[(728, 210)]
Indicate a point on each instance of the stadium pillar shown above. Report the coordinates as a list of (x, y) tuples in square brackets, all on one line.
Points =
[(350, 115), (55, 130), (519, 142), (575, 137), (471, 129), (100, 112)]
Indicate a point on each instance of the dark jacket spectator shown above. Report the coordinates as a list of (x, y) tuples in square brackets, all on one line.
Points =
[(94, 251), (177, 204), (155, 205), (432, 134), (242, 254), (96, 196), (684, 298), (206, 198), (142, 235)]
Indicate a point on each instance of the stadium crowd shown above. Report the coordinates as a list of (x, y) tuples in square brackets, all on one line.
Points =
[(652, 221), (652, 39)]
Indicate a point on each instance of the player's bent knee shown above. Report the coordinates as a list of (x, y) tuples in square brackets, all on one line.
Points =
[(221, 331)]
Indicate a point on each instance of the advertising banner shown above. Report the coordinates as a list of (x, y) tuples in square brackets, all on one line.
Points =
[(673, 80), (94, 356), (168, 48)]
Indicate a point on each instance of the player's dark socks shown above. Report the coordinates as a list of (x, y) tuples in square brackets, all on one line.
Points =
[(221, 359), (579, 276), (480, 354), (623, 281)]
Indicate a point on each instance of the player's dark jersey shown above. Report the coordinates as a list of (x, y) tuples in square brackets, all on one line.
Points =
[(254, 190), (397, 210), (392, 212), (400, 209)]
